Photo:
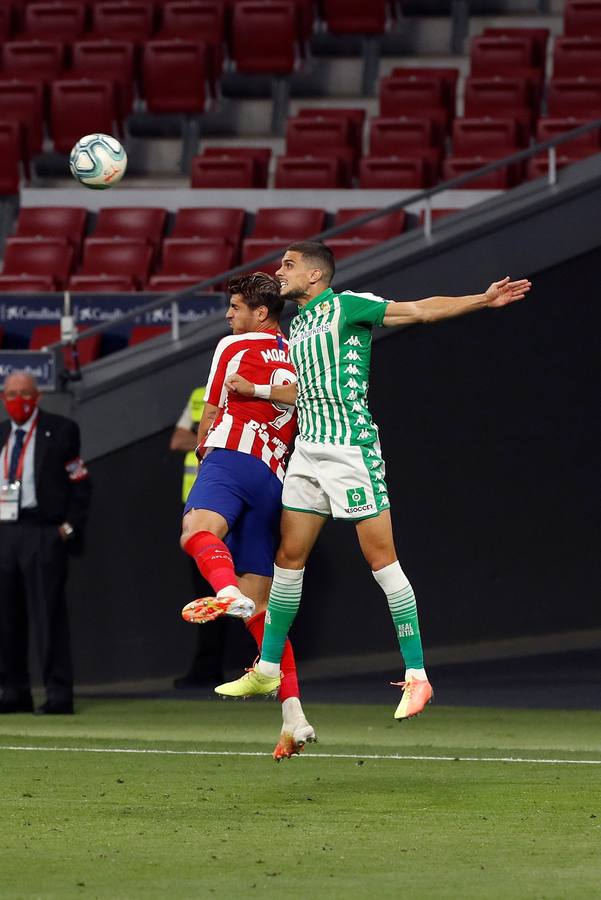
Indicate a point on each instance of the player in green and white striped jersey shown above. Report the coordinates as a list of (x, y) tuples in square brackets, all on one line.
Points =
[(337, 468)]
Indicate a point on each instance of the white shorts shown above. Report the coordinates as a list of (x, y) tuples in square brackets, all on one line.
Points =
[(346, 482)]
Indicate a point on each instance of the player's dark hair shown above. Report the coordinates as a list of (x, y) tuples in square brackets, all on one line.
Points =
[(317, 254), (259, 289)]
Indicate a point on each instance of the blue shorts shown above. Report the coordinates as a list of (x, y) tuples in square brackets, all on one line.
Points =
[(248, 495)]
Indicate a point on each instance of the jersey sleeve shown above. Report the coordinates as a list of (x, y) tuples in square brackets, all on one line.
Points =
[(185, 420), (363, 309), (226, 361)]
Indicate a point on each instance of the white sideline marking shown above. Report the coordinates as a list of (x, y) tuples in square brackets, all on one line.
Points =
[(395, 756)]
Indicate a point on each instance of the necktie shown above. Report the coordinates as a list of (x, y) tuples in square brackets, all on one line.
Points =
[(16, 453)]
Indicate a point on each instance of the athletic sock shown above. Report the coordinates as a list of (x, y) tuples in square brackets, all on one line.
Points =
[(403, 609), (213, 559), (289, 686), (284, 601)]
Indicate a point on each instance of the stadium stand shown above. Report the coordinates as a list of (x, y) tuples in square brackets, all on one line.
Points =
[(123, 67)]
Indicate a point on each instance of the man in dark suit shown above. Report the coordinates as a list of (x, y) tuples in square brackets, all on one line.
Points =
[(44, 499)]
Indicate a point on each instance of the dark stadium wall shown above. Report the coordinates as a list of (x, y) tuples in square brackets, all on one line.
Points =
[(490, 429)]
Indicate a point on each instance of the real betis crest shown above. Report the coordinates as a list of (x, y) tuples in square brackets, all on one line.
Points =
[(324, 307)]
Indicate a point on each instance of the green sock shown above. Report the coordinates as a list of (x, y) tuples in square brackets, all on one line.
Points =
[(284, 601), (403, 610)]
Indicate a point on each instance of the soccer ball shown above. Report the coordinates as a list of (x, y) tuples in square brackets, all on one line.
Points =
[(98, 161)]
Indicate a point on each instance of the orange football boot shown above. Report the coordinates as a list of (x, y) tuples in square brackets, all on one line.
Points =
[(417, 693), (207, 609), (293, 743)]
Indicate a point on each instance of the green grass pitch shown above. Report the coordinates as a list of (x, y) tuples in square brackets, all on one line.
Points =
[(353, 821)]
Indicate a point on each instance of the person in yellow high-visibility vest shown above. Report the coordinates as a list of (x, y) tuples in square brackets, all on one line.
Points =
[(206, 668)]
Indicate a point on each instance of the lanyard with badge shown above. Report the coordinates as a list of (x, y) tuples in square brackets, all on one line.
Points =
[(10, 492)]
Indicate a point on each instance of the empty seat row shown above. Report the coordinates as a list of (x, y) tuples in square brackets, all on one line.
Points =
[(126, 244)]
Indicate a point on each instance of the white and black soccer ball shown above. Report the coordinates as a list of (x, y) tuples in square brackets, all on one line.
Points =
[(98, 161)]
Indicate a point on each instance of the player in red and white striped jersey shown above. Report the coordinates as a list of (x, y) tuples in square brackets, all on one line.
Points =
[(262, 429), (231, 518)]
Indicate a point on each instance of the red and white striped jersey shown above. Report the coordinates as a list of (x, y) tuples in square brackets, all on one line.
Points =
[(247, 424)]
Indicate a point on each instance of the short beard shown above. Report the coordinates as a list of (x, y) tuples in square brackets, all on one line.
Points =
[(295, 295)]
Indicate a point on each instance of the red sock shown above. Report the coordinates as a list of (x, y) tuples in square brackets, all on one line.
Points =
[(213, 559), (289, 685)]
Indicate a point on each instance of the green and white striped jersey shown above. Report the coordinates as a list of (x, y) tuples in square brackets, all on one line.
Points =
[(330, 347)]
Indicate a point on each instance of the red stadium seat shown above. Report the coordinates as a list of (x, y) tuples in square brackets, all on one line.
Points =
[(387, 172), (355, 16), (88, 349), (198, 20), (54, 21), (23, 102), (539, 37), (472, 137), (80, 107), (502, 55), (174, 76), (144, 223), (10, 153), (30, 284), (117, 256), (501, 97), (430, 156), (453, 167), (309, 172), (66, 222), (288, 223), (574, 56), (416, 98), (129, 21), (196, 257), (264, 37), (253, 248), (41, 60), (445, 75), (322, 137), (220, 223), (343, 246), (261, 157), (141, 333), (381, 229), (390, 136), (39, 256), (548, 128), (222, 172), (170, 283), (574, 97), (305, 135), (582, 17), (355, 117), (101, 284), (107, 61)]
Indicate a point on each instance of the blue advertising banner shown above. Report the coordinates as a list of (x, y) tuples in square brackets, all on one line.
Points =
[(40, 363), (20, 313)]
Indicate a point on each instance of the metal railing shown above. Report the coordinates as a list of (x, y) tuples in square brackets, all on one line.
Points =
[(425, 196)]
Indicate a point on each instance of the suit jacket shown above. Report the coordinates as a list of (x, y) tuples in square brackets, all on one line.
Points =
[(62, 483)]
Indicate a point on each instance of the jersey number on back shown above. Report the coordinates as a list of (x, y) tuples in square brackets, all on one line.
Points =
[(282, 376)]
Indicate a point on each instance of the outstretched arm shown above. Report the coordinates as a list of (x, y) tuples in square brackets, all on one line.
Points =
[(434, 309), (277, 393)]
